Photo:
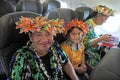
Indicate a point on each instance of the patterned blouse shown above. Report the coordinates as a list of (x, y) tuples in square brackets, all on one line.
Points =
[(27, 65), (75, 55), (90, 36)]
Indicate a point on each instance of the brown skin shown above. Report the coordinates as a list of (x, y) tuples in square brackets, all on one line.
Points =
[(99, 19), (42, 41), (68, 68), (75, 36)]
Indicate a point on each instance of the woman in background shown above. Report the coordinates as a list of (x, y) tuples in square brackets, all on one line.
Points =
[(98, 17)]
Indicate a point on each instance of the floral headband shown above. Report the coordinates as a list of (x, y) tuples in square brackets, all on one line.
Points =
[(76, 23), (104, 10), (26, 24)]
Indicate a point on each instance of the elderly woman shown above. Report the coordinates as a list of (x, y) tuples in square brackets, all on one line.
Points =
[(98, 17), (41, 58)]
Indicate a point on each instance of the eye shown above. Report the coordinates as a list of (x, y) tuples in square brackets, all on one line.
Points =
[(73, 34), (37, 34), (48, 34)]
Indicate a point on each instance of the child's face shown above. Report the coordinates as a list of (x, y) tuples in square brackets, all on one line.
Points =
[(75, 35)]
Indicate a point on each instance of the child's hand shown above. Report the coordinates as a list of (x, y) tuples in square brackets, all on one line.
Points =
[(81, 69)]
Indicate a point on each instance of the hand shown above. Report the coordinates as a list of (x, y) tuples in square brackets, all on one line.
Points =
[(81, 69), (107, 38), (84, 66)]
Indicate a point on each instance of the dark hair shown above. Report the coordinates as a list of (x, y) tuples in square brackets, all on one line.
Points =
[(70, 30)]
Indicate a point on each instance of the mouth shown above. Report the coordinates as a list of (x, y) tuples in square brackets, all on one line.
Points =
[(75, 40), (44, 44)]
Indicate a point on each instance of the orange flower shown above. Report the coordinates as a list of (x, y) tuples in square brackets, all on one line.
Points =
[(36, 24), (76, 23)]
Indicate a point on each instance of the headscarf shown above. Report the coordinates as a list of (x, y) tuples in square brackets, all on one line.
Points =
[(104, 10)]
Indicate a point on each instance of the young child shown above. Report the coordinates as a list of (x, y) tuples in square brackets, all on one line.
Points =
[(74, 47)]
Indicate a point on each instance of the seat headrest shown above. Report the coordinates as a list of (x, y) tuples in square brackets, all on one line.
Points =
[(29, 5), (48, 6), (5, 7), (83, 12), (63, 13), (8, 32)]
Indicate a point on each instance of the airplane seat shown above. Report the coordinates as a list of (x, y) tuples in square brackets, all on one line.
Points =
[(50, 5), (62, 13), (10, 39), (118, 44), (29, 5), (109, 67), (13, 2), (83, 12), (6, 7)]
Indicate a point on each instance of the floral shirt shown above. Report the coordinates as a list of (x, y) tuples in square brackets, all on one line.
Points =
[(26, 65), (90, 36), (75, 55)]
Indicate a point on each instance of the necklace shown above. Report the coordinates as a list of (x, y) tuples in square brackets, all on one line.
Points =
[(54, 64)]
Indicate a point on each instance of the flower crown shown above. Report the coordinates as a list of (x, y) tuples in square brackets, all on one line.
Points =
[(76, 23), (104, 10), (26, 24)]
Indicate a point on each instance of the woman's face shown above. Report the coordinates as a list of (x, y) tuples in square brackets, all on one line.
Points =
[(41, 41), (101, 19), (75, 35)]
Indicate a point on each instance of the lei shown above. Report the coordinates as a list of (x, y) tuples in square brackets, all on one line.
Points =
[(76, 23), (55, 65), (53, 26), (55, 62)]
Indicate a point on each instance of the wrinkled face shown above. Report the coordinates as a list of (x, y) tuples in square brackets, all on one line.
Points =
[(41, 41), (101, 18), (75, 35)]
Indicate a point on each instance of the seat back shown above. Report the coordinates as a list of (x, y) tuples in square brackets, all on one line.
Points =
[(29, 5), (6, 7), (83, 12), (109, 67), (10, 39), (50, 5), (62, 13)]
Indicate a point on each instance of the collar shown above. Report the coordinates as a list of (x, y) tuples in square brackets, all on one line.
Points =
[(93, 23), (69, 43)]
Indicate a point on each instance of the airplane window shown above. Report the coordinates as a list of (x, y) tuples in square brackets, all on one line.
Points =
[(63, 4), (82, 5), (111, 26)]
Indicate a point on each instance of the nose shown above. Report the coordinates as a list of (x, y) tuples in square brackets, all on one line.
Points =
[(77, 36), (44, 38)]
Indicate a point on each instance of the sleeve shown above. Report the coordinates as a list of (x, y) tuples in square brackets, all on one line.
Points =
[(90, 37), (62, 56)]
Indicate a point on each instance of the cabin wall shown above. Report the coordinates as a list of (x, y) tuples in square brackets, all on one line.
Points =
[(114, 4)]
